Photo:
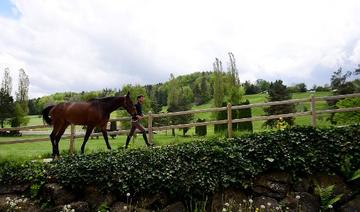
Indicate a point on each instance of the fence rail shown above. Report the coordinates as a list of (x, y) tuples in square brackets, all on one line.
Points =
[(229, 121)]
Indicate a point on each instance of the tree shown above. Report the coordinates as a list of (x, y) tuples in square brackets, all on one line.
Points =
[(357, 70), (205, 88), (34, 108), (250, 88), (23, 91), (6, 100), (201, 90), (218, 94), (218, 83), (301, 87), (6, 106), (263, 85), (243, 113), (179, 99), (348, 117), (6, 83), (19, 117), (278, 92), (339, 83), (233, 89)]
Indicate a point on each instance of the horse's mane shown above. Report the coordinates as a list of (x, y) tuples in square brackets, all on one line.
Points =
[(103, 99)]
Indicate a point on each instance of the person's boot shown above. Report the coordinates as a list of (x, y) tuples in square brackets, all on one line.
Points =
[(146, 140), (127, 141)]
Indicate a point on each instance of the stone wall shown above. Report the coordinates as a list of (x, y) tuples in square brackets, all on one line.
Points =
[(269, 192)]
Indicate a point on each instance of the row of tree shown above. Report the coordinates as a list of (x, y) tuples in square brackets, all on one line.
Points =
[(14, 111)]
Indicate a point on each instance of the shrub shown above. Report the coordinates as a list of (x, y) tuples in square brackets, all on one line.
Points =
[(203, 166), (243, 113), (201, 130)]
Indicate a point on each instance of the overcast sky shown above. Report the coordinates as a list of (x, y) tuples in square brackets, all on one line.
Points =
[(76, 45)]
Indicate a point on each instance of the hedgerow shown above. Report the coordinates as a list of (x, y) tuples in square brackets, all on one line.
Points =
[(203, 166)]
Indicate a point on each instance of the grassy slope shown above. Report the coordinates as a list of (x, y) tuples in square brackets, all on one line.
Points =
[(36, 149)]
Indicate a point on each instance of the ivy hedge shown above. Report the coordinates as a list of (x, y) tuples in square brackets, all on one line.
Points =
[(200, 167)]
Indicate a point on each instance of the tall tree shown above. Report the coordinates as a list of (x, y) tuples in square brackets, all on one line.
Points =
[(278, 92), (218, 83), (233, 89), (22, 95), (6, 83), (7, 106)]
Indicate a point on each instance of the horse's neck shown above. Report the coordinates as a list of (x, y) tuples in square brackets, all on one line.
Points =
[(114, 104)]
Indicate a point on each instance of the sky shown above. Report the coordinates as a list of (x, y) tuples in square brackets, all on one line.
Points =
[(84, 45)]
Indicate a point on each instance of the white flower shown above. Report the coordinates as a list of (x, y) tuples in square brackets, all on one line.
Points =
[(7, 198), (244, 200), (262, 206), (269, 204), (297, 197), (72, 210), (330, 206), (125, 207), (251, 201), (128, 194), (277, 208), (227, 204), (224, 209)]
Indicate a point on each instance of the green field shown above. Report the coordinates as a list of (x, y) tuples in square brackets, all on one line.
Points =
[(43, 149)]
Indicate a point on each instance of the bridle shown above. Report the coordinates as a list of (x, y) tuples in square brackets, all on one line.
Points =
[(125, 106)]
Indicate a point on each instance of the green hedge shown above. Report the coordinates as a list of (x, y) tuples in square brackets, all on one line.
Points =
[(201, 167)]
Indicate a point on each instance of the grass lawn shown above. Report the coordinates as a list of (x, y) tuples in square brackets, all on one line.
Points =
[(43, 149)]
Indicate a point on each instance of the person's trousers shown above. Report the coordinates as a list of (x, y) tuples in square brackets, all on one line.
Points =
[(136, 125)]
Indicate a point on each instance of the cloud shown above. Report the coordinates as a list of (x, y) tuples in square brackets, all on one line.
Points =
[(87, 45)]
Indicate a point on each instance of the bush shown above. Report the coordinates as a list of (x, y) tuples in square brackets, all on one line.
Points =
[(203, 166), (243, 113), (201, 130), (21, 172)]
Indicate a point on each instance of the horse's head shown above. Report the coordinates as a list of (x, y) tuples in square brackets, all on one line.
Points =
[(129, 105)]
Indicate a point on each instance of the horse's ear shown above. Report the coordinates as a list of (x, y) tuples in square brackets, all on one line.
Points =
[(128, 94)]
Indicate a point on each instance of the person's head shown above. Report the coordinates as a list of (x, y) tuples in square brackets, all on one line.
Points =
[(140, 99)]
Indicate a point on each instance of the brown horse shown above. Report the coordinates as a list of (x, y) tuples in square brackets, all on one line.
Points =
[(92, 113)]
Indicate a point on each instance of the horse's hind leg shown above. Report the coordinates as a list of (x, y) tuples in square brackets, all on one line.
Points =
[(58, 136), (105, 135), (53, 144), (89, 129), (53, 134)]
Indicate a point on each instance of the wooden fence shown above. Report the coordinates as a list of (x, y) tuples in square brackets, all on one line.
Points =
[(229, 121)]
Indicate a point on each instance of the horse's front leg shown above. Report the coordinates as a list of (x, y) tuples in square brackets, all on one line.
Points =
[(105, 135)]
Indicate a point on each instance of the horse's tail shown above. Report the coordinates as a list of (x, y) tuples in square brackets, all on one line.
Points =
[(45, 114)]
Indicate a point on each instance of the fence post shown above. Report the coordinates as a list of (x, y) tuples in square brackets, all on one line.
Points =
[(72, 139), (313, 111), (150, 131), (229, 119)]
